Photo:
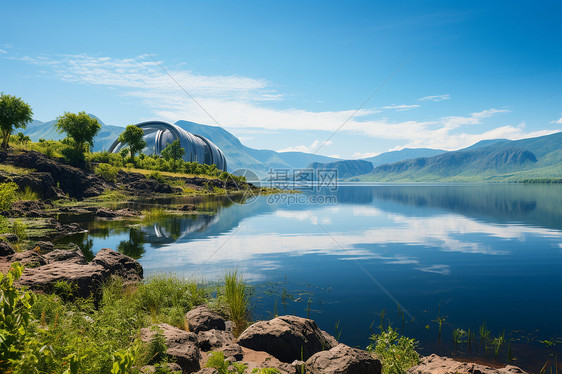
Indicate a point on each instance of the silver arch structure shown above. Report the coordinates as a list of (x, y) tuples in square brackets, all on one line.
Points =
[(197, 148)]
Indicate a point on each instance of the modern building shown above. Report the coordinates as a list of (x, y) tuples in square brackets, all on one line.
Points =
[(159, 134)]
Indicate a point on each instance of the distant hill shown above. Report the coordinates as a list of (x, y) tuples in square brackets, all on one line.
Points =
[(491, 160), (403, 154), (346, 168)]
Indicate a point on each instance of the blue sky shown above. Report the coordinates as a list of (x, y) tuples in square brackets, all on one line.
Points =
[(286, 75)]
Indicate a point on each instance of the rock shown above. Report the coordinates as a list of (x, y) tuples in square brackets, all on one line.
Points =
[(284, 337), (105, 213), (172, 368), (140, 185), (87, 277), (232, 351), (208, 371), (10, 238), (331, 340), (188, 207), (343, 359), (72, 181), (44, 247), (214, 339), (120, 265), (40, 182), (27, 208), (202, 319), (127, 212), (30, 259), (444, 365), (6, 249), (182, 346), (73, 255)]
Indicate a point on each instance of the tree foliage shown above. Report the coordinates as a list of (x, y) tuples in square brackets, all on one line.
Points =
[(173, 151), (133, 137), (80, 128), (14, 113)]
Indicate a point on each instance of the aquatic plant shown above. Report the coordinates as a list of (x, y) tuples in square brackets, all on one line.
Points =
[(396, 352)]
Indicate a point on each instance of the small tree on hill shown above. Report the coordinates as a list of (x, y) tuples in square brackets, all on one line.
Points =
[(80, 128), (173, 151), (14, 113), (133, 137)]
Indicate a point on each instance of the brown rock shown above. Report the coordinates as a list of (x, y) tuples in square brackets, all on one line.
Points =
[(182, 346), (44, 247), (73, 255), (214, 339), (286, 338), (232, 351), (30, 259), (444, 365), (6, 249), (343, 360), (202, 319), (120, 265), (88, 277)]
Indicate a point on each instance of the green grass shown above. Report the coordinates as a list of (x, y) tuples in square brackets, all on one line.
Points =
[(396, 352), (10, 169), (64, 331), (237, 299)]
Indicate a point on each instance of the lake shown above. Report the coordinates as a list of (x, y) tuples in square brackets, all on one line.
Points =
[(462, 255)]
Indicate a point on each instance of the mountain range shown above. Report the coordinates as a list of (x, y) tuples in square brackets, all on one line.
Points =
[(487, 160)]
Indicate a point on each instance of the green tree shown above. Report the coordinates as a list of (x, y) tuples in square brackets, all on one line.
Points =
[(23, 139), (133, 137), (80, 128), (14, 113), (173, 151)]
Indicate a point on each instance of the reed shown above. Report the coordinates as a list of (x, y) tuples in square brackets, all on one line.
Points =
[(237, 299)]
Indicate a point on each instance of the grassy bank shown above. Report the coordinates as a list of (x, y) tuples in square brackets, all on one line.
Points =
[(57, 333)]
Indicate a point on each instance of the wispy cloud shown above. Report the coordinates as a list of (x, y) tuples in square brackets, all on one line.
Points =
[(238, 102), (364, 155), (401, 107), (3, 51), (435, 98), (559, 121)]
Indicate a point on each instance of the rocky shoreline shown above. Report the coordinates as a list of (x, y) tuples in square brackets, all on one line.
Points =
[(289, 344)]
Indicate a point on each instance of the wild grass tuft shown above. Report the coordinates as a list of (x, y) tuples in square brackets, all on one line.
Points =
[(396, 352), (28, 194), (154, 215), (237, 299)]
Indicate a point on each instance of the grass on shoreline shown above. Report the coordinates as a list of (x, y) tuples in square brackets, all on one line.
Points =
[(54, 334)]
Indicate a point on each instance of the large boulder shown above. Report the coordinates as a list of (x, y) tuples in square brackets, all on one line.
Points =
[(343, 359), (435, 364), (30, 259), (120, 265), (203, 319), (87, 277), (288, 338), (182, 345), (68, 255)]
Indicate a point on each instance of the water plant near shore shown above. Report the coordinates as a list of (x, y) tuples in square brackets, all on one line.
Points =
[(397, 352)]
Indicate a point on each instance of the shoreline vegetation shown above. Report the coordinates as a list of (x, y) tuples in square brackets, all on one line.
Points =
[(95, 325)]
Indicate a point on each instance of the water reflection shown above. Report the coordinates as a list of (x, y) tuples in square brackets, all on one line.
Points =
[(474, 253)]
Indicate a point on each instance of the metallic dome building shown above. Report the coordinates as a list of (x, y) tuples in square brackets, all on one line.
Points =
[(159, 134)]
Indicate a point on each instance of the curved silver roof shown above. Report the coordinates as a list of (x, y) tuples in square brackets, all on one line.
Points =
[(159, 134)]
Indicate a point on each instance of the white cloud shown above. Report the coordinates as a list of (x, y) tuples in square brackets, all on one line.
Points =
[(245, 103), (559, 121), (435, 98), (303, 148), (3, 51), (364, 155), (401, 107)]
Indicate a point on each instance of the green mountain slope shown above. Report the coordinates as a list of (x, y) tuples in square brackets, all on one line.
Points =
[(494, 160), (403, 154), (345, 168)]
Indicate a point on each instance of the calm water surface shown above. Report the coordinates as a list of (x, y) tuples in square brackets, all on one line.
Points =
[(466, 254)]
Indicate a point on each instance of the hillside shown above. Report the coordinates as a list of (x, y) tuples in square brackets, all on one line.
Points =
[(493, 160), (346, 168), (403, 154)]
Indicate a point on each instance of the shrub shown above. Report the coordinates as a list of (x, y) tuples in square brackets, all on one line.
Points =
[(397, 352), (7, 195), (107, 172), (28, 194), (15, 306), (217, 361), (19, 228)]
